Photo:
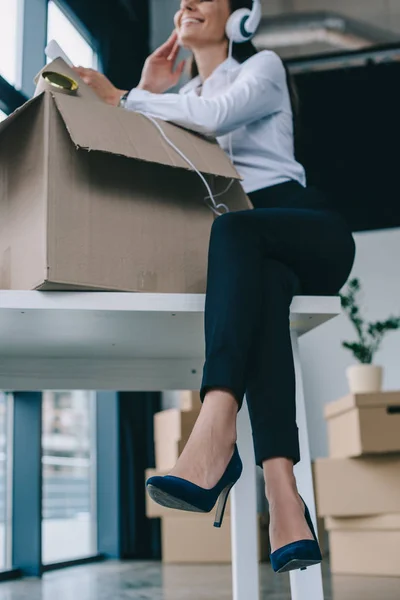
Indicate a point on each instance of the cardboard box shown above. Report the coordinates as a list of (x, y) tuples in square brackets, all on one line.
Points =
[(365, 545), (172, 429), (167, 453), (347, 487), (190, 400), (155, 511), (194, 540), (92, 198), (362, 424), (173, 425)]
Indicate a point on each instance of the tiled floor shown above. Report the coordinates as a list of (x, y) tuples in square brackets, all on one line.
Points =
[(152, 581)]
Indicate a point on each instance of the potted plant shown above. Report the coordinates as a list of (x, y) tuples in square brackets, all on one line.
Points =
[(364, 377)]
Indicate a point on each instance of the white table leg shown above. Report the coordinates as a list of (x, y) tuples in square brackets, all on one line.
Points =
[(244, 518), (305, 585)]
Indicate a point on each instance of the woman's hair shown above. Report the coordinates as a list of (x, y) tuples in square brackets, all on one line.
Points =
[(241, 52)]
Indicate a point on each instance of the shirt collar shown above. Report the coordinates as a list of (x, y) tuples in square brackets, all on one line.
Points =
[(194, 83)]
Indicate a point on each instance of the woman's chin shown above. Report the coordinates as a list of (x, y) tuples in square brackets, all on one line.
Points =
[(185, 41), (189, 41)]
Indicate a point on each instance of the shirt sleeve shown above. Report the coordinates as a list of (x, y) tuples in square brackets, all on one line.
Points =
[(256, 93)]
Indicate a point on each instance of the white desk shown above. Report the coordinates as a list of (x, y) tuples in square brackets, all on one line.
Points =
[(118, 341)]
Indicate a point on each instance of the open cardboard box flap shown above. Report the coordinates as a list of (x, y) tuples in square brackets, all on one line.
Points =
[(94, 125), (98, 126)]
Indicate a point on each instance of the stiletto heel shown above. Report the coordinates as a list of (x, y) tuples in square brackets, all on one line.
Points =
[(223, 499), (175, 492), (298, 555)]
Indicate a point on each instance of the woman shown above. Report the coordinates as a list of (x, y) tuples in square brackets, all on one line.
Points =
[(291, 243)]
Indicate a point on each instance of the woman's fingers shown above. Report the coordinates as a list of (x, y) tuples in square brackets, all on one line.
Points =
[(166, 48), (174, 52)]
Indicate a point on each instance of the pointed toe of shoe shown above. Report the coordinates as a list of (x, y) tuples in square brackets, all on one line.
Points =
[(173, 492), (155, 481)]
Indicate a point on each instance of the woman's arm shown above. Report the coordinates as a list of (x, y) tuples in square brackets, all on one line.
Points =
[(256, 93)]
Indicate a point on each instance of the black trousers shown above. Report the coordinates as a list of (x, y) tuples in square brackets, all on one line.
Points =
[(291, 243)]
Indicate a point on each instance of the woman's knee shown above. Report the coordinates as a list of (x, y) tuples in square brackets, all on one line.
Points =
[(231, 223), (278, 273)]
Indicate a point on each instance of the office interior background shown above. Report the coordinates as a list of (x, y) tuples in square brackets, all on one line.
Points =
[(94, 447)]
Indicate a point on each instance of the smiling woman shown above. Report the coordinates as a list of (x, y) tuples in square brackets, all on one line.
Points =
[(202, 24), (258, 260)]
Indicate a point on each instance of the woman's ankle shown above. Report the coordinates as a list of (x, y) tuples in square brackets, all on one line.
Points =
[(219, 412), (279, 479)]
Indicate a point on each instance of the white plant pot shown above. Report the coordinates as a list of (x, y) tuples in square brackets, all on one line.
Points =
[(364, 378)]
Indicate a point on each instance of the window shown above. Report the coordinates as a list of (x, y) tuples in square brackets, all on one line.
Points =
[(69, 516), (9, 30), (2, 115), (75, 46), (5, 480)]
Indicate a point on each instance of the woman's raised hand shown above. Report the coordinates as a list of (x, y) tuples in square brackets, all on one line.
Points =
[(158, 73)]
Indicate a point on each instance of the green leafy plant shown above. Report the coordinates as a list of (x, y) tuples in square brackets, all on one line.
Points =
[(370, 335)]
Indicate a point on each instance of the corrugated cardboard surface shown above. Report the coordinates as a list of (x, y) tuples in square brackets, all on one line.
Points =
[(190, 400), (194, 540), (173, 425), (364, 424), (387, 522), (355, 487), (97, 220), (167, 453), (365, 552), (101, 127), (23, 198), (351, 401)]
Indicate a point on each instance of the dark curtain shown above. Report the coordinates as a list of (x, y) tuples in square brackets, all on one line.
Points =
[(140, 536), (349, 132)]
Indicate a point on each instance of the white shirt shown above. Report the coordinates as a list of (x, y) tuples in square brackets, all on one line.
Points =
[(248, 103)]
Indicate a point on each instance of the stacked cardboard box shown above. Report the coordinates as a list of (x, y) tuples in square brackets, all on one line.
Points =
[(189, 537), (358, 486)]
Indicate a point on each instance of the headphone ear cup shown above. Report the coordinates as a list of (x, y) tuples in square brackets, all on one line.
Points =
[(235, 30)]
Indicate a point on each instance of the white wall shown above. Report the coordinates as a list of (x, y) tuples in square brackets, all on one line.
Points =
[(324, 361), (162, 20)]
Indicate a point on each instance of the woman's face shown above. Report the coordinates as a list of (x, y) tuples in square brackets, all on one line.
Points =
[(202, 22)]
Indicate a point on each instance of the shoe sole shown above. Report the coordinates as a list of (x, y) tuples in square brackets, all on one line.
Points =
[(295, 564), (165, 499)]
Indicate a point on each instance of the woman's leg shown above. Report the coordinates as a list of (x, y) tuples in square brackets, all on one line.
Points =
[(233, 300), (270, 389), (239, 246)]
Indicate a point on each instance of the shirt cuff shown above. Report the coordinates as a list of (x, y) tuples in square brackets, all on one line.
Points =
[(136, 99)]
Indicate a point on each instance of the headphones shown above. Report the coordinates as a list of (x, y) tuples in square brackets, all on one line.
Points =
[(243, 23)]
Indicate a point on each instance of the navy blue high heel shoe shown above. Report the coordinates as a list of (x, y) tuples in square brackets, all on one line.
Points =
[(175, 492), (297, 555)]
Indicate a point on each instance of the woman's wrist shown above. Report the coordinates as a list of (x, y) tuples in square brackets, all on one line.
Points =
[(142, 86), (119, 96)]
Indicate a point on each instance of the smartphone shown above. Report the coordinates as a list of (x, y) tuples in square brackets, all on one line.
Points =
[(53, 50)]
